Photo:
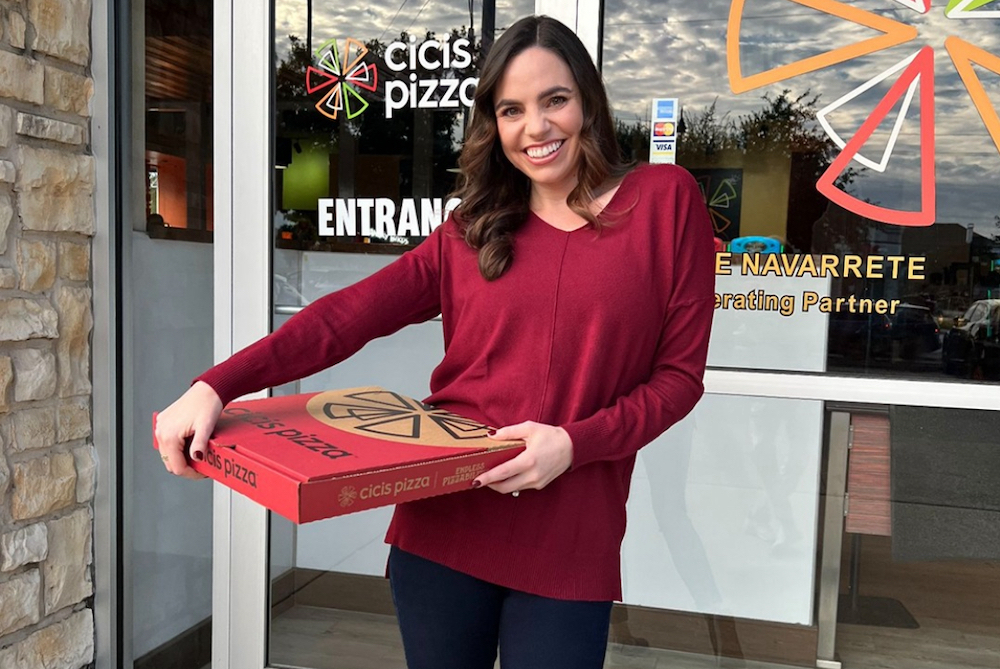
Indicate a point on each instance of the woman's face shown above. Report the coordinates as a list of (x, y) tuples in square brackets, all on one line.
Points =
[(539, 116)]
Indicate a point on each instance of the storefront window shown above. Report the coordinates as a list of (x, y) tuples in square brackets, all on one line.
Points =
[(371, 111), (848, 154), (178, 120), (168, 311)]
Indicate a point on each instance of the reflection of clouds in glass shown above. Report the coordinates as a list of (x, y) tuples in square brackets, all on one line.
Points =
[(683, 56), (382, 20)]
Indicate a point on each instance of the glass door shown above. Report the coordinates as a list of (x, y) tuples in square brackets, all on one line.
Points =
[(337, 159)]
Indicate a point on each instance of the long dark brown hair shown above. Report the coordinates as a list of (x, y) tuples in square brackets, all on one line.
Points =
[(496, 195)]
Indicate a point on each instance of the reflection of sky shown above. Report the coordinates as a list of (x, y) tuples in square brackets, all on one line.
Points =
[(652, 51), (383, 19)]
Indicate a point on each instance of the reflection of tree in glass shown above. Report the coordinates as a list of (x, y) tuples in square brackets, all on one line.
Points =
[(633, 138), (783, 124)]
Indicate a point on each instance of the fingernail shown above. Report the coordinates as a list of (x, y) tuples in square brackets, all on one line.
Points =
[(490, 433), (477, 483), (198, 455)]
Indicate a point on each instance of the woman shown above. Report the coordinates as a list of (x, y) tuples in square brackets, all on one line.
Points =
[(576, 299)]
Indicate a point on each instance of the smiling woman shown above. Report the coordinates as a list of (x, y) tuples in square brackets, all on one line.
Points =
[(557, 254), (565, 299)]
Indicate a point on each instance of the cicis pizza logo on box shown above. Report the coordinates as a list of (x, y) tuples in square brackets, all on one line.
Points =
[(390, 416)]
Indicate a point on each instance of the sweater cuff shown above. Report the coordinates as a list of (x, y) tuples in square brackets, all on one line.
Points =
[(228, 380), (590, 438)]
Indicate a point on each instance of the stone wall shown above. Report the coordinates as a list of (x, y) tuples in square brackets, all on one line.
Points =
[(47, 459)]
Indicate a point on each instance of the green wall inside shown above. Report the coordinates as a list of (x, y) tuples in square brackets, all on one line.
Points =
[(307, 179)]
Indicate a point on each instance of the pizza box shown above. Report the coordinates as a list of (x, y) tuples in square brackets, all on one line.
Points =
[(318, 455)]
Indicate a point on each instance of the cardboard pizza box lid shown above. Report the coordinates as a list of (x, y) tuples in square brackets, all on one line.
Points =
[(316, 455)]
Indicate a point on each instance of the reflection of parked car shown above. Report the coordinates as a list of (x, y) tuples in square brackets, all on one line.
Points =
[(907, 334), (949, 309), (972, 347), (912, 332)]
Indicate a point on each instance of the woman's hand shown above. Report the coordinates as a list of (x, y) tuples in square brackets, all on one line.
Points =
[(193, 416), (548, 453)]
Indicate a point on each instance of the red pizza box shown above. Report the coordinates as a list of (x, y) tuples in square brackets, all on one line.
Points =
[(319, 455)]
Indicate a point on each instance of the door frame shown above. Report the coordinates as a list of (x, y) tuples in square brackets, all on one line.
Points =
[(243, 93)]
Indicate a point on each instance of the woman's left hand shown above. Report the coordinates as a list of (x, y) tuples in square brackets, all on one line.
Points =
[(548, 453)]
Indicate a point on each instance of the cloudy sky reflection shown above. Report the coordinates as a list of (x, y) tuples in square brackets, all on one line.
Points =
[(666, 49)]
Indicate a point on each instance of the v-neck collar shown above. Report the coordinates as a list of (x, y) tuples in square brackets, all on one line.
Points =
[(587, 225)]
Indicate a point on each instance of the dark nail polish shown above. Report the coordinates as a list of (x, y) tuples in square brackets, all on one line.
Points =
[(476, 484), (491, 432), (198, 455)]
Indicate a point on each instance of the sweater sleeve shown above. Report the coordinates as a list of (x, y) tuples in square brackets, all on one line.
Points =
[(336, 326), (675, 382)]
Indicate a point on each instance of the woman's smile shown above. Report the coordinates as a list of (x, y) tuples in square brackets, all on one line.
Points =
[(540, 153)]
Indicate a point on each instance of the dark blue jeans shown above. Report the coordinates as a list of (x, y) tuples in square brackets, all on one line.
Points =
[(449, 620)]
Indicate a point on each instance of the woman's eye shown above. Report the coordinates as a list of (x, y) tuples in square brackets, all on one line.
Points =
[(557, 100), (508, 111)]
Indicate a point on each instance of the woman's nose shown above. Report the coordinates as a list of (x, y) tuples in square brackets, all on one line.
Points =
[(537, 123)]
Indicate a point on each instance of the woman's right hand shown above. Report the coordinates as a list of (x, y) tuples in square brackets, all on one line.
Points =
[(193, 416)]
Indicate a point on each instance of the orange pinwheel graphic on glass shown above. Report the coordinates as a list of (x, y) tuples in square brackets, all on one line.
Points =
[(916, 72)]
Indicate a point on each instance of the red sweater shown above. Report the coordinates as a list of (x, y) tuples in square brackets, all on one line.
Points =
[(604, 334)]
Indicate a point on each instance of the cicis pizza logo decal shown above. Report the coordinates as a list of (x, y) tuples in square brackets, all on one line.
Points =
[(914, 76), (390, 416), (342, 77)]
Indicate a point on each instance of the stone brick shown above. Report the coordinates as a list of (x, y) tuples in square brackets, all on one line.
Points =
[(4, 477), (54, 170), (66, 570), (73, 348), (68, 91), (22, 319), (46, 211), (41, 127), (36, 262), (62, 28), (34, 428), (6, 216), (86, 473), (6, 380), (8, 278), (68, 644), (22, 78), (20, 597), (74, 261), (24, 546), (34, 375), (6, 125), (8, 173), (16, 28), (74, 420), (43, 485)]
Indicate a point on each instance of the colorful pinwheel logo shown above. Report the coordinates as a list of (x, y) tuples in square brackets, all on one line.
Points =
[(340, 76), (913, 72)]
